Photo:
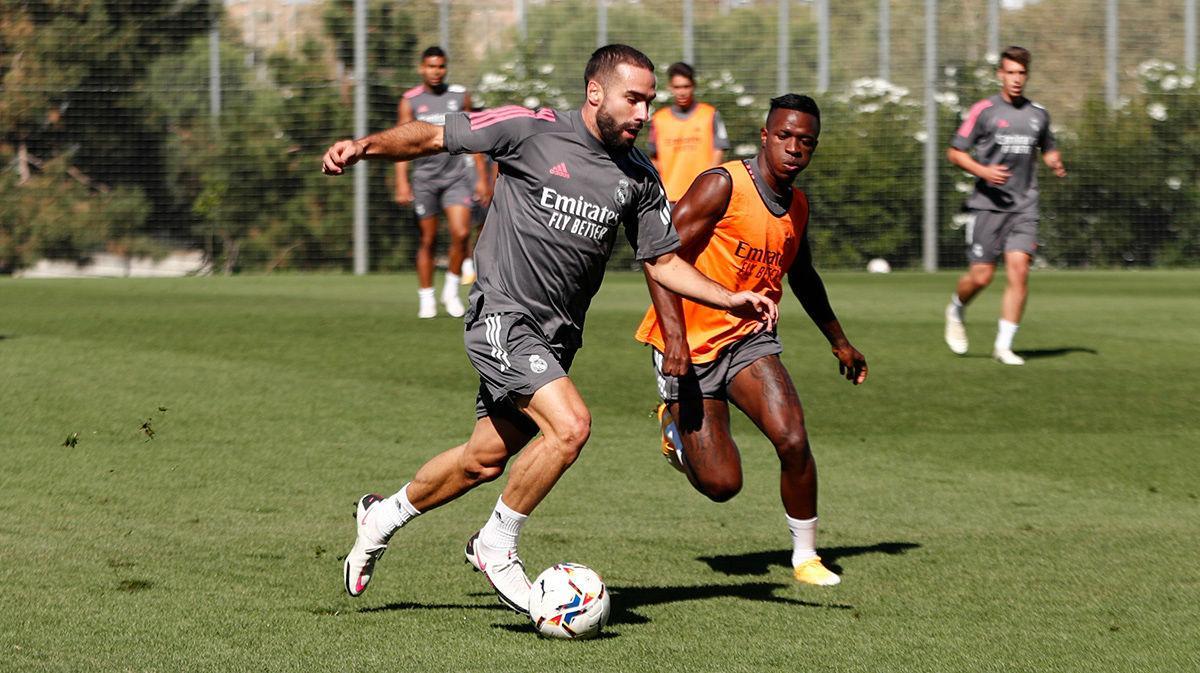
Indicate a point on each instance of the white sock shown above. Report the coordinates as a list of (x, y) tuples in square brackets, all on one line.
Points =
[(804, 539), (1004, 335), (425, 293), (503, 527), (394, 512), (960, 310), (468, 267), (451, 286)]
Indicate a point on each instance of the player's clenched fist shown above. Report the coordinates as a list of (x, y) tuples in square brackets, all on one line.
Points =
[(342, 154)]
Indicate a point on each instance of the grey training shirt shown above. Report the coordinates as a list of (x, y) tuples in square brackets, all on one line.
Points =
[(553, 221), (1003, 133), (432, 107)]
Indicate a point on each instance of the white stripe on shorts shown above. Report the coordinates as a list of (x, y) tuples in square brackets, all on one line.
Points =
[(493, 339)]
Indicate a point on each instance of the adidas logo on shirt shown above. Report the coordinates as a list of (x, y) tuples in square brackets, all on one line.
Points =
[(560, 170)]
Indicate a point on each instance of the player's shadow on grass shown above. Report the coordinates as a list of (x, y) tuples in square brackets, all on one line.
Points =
[(626, 601), (760, 562), (1034, 353), (409, 605)]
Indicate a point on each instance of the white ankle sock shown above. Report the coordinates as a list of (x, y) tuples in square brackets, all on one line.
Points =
[(395, 511), (1004, 335), (503, 527), (425, 293), (804, 539), (960, 309), (451, 286), (468, 267)]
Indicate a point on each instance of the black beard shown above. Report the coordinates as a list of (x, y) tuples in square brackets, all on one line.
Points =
[(610, 132)]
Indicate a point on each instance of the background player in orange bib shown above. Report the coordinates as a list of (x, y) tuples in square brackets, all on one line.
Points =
[(743, 225), (687, 137)]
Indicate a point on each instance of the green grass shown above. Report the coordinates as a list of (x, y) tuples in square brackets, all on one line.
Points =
[(985, 518)]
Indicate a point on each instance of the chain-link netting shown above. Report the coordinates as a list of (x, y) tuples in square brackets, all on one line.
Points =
[(192, 130)]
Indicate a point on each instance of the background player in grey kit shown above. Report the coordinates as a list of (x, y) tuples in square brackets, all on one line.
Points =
[(568, 180), (440, 183), (1005, 131)]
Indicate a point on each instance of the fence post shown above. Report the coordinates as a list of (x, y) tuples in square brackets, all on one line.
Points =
[(929, 238), (781, 51), (214, 103), (1110, 55), (522, 27), (993, 28), (885, 39), (1189, 35), (360, 130), (601, 23), (689, 51), (444, 26), (822, 46)]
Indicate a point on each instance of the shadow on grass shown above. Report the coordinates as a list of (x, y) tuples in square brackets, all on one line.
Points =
[(759, 563), (1034, 353), (408, 605), (626, 601)]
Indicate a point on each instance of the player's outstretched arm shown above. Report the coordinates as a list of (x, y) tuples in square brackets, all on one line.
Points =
[(694, 218), (808, 287), (680, 277), (399, 143), (404, 195)]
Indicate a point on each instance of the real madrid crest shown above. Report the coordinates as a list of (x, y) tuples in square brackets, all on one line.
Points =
[(622, 193)]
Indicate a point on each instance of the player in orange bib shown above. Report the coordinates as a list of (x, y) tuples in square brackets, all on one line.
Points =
[(686, 137), (743, 225)]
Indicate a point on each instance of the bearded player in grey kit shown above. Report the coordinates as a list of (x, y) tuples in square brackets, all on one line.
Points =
[(568, 179)]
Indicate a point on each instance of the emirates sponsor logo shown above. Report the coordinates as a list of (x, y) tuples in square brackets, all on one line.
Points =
[(578, 215)]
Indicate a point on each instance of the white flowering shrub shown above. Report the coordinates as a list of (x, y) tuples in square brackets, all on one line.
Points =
[(510, 83), (1133, 196)]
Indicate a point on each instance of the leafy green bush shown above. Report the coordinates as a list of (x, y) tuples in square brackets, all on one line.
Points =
[(54, 215)]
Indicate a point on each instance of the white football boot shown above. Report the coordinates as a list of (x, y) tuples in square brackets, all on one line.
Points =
[(428, 307), (453, 304), (1005, 356), (504, 570), (956, 332), (360, 562)]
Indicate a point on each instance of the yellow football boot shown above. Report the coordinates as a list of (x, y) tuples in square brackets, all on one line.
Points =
[(670, 438), (813, 571)]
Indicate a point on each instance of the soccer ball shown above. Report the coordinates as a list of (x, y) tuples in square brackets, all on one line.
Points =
[(879, 265), (569, 601)]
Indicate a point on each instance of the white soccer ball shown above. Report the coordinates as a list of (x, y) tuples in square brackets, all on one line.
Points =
[(879, 265), (569, 601)]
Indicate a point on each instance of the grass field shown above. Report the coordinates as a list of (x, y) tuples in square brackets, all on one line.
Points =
[(985, 518)]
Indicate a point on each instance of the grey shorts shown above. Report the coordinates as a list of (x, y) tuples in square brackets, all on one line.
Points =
[(512, 357), (711, 379), (990, 234), (431, 197)]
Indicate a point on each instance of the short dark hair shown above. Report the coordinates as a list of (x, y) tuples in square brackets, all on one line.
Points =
[(433, 51), (795, 101), (604, 62), (683, 70), (1016, 55)]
